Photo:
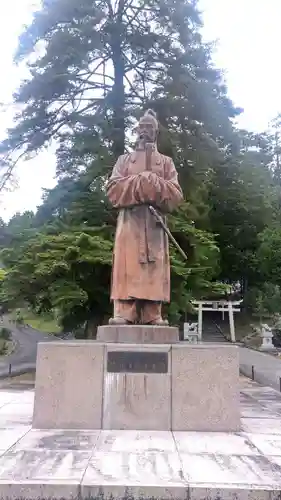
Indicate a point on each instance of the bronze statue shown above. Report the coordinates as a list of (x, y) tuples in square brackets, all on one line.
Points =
[(141, 182)]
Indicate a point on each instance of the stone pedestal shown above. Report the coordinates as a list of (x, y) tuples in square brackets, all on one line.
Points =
[(95, 385), (138, 334)]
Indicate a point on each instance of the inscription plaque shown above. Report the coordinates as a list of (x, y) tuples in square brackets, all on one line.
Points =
[(137, 362)]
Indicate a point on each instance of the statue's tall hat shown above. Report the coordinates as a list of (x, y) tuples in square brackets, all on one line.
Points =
[(150, 117)]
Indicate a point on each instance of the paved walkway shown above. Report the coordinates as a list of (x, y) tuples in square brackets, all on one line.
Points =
[(24, 356), (266, 368), (132, 464)]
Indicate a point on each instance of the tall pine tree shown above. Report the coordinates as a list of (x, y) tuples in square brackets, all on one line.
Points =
[(93, 67)]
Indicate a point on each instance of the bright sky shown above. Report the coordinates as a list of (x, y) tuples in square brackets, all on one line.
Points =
[(248, 50)]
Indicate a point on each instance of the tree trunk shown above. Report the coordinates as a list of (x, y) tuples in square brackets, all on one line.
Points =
[(118, 91)]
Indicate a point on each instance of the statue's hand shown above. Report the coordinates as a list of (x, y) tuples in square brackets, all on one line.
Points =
[(146, 174), (150, 186), (151, 176)]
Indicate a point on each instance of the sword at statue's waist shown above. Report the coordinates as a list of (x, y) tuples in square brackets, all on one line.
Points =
[(167, 231)]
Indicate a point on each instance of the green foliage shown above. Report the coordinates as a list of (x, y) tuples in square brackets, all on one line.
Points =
[(265, 301), (241, 199), (3, 347), (19, 317), (269, 254), (5, 333), (69, 272), (2, 274)]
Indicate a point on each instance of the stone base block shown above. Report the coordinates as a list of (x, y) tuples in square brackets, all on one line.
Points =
[(181, 387), (205, 387), (138, 334), (69, 385), (137, 399)]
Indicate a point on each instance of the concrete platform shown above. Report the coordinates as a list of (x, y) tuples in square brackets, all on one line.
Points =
[(70, 464)]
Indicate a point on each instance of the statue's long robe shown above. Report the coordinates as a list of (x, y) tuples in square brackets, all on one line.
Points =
[(141, 267)]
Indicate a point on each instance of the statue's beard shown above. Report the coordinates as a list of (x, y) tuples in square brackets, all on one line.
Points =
[(143, 140)]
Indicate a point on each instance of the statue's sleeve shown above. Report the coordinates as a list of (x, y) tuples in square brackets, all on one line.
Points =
[(125, 190), (122, 189), (170, 194)]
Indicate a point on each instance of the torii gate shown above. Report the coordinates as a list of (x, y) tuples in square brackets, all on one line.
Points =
[(230, 306)]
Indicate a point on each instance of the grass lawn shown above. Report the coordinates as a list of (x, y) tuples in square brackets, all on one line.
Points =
[(2, 346), (44, 323)]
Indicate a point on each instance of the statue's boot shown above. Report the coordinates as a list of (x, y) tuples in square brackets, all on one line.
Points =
[(160, 322), (117, 320), (151, 314), (124, 313)]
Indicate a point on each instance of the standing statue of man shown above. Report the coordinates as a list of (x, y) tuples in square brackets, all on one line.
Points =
[(141, 267)]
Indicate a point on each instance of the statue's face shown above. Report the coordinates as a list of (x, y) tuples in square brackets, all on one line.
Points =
[(146, 132)]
